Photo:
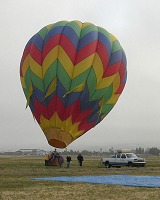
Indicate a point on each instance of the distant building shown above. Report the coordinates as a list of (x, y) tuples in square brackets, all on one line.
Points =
[(30, 152)]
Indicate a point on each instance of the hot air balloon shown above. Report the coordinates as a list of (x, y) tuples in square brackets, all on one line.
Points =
[(72, 74)]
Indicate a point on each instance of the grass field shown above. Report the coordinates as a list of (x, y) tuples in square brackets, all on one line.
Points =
[(16, 173)]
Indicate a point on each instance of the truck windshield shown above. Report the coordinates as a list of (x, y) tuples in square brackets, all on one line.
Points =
[(131, 155)]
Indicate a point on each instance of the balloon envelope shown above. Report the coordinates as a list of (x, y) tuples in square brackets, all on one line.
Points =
[(72, 74)]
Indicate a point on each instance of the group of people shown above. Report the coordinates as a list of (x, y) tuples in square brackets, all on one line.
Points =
[(53, 155), (54, 159), (79, 158)]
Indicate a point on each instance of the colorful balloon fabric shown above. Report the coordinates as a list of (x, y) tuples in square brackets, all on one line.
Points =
[(72, 74)]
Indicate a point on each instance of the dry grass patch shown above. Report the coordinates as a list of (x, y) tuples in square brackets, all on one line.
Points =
[(16, 182), (82, 191)]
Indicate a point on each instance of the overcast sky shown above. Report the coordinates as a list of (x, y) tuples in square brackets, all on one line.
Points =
[(135, 120)]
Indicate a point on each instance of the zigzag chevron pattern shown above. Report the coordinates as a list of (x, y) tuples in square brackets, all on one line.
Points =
[(72, 74)]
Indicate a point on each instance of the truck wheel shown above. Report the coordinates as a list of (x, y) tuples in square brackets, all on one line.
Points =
[(107, 165), (130, 164)]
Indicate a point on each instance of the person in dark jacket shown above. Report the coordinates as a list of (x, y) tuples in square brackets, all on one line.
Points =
[(69, 159), (80, 159)]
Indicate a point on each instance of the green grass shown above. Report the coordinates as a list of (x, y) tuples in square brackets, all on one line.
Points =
[(16, 173)]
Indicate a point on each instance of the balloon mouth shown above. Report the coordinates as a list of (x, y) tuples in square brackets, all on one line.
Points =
[(57, 143), (58, 138)]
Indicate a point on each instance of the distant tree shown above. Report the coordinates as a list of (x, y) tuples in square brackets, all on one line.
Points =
[(85, 152), (154, 151), (71, 152), (139, 150)]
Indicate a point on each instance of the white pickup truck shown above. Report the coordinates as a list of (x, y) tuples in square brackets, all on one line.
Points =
[(123, 159)]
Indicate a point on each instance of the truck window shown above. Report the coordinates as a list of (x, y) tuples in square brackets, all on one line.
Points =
[(118, 155), (123, 156)]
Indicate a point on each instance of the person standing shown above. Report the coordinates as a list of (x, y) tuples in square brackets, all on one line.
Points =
[(47, 160), (80, 159), (69, 159)]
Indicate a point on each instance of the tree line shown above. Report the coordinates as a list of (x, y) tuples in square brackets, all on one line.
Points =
[(151, 151), (138, 150)]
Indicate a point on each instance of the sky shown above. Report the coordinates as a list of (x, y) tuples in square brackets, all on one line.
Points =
[(135, 120)]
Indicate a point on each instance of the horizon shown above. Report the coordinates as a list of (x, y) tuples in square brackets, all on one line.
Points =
[(91, 149)]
